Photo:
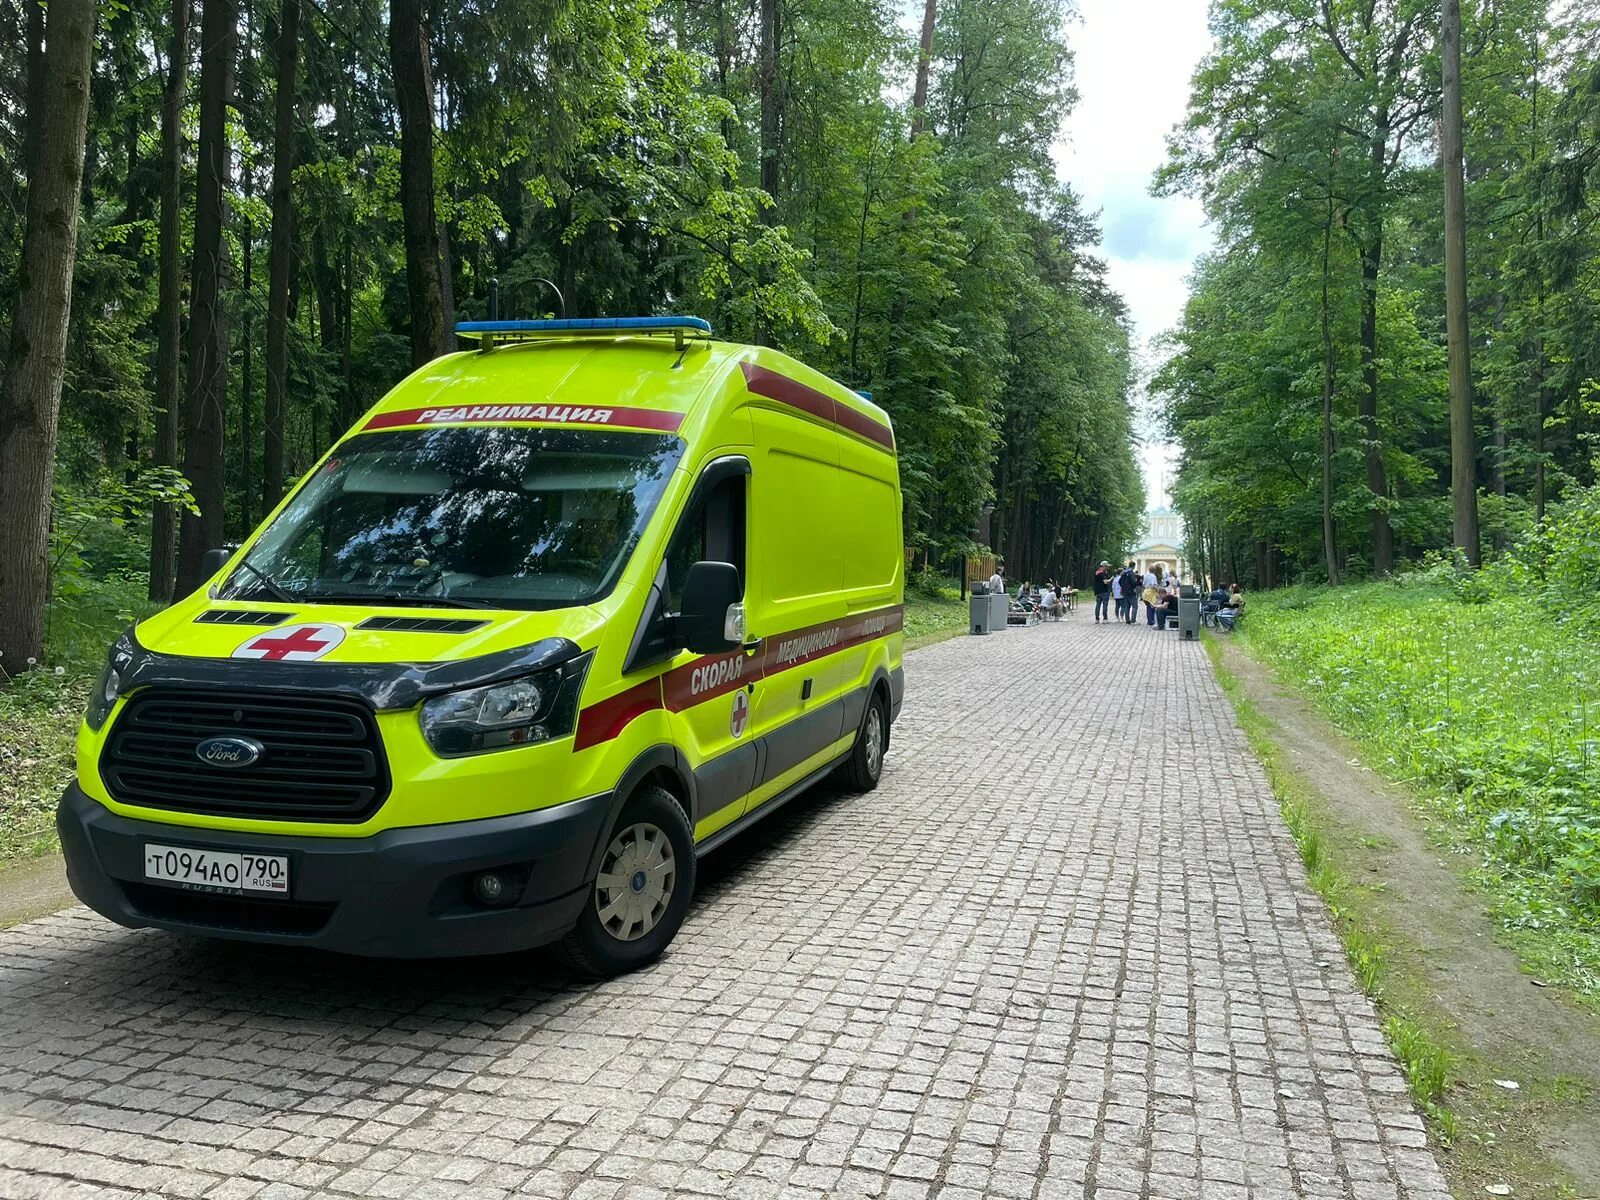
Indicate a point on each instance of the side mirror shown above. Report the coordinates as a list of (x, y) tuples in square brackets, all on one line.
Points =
[(711, 618), (214, 561)]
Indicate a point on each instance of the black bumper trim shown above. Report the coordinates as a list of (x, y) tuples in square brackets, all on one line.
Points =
[(394, 894)]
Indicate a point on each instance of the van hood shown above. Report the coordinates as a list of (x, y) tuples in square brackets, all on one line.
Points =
[(393, 656)]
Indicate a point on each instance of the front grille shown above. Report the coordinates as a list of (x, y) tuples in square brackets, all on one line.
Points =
[(422, 624), (210, 911), (239, 616), (321, 756)]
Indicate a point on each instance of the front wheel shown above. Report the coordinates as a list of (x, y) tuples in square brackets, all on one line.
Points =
[(862, 770), (640, 896)]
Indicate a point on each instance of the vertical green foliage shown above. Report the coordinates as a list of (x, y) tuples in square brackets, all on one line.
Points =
[(1283, 139), (614, 151)]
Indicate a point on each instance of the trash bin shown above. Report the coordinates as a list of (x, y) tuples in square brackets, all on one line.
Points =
[(978, 609), (999, 610), (1189, 612), (986, 610)]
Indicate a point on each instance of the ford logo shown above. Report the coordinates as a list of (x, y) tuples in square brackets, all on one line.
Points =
[(229, 751)]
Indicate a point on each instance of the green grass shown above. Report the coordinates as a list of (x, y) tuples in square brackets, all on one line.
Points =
[(1487, 710), (40, 710), (933, 614)]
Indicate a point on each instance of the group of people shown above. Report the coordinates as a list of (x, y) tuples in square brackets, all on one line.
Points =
[(1125, 588), (1227, 603), (1048, 600)]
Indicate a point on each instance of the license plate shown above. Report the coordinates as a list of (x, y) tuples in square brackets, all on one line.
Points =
[(217, 870)]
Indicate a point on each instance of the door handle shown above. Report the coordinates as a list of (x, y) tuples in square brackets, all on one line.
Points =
[(753, 644)]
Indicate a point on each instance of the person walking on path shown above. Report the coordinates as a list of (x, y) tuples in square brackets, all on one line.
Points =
[(1102, 592), (1116, 593), (1130, 594), (997, 583), (1150, 598)]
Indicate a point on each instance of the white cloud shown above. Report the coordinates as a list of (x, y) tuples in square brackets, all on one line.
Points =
[(1134, 60)]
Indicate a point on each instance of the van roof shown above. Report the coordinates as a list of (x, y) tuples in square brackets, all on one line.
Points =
[(639, 372)]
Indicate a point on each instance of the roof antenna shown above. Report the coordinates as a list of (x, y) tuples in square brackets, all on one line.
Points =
[(561, 301), (486, 343)]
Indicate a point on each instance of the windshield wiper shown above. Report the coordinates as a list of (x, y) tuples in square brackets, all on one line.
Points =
[(450, 601), (279, 592), (418, 598)]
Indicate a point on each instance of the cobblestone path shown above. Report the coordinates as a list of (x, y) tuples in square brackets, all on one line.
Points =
[(1065, 950)]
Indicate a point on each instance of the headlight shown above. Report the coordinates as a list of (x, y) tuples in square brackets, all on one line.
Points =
[(109, 686), (519, 712)]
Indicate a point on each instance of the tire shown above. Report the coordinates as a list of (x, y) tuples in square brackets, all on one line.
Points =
[(862, 770), (627, 919)]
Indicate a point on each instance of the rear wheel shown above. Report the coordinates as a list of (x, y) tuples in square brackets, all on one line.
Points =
[(862, 770), (640, 896)]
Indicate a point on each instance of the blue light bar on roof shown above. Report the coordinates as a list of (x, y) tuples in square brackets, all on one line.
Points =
[(581, 325)]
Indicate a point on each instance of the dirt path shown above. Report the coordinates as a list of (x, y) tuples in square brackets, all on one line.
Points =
[(1503, 1024), (33, 888)]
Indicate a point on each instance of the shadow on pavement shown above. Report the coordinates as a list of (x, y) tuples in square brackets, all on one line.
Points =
[(114, 968)]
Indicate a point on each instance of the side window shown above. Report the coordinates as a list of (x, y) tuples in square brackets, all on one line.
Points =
[(712, 531)]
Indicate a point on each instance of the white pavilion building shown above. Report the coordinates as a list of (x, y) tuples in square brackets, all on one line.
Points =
[(1163, 545)]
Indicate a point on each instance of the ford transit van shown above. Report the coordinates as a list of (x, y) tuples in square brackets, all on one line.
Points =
[(554, 618)]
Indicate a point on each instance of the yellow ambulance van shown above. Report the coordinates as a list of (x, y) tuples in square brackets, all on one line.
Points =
[(556, 617)]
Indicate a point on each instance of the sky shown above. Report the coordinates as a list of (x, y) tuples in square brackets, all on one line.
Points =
[(1133, 62)]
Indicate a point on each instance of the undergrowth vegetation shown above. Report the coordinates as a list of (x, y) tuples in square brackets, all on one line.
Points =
[(934, 610), (42, 703), (1478, 688)]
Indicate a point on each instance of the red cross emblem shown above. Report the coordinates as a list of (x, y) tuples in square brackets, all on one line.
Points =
[(296, 643), (741, 713)]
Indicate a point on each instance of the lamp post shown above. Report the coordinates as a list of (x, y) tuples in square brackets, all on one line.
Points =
[(980, 534)]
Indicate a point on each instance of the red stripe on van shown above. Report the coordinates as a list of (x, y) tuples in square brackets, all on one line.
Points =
[(864, 426), (529, 414), (712, 675), (606, 719), (763, 381)]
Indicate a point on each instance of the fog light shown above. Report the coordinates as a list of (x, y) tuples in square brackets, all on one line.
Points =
[(490, 888)]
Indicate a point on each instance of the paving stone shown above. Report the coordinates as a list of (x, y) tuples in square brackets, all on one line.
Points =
[(1066, 949)]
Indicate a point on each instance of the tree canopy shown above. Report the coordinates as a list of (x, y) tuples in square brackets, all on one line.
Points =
[(1313, 343), (287, 203)]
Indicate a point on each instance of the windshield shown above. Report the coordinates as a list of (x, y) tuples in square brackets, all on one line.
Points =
[(480, 516)]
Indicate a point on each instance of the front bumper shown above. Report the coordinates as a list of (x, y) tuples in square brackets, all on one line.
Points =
[(402, 893)]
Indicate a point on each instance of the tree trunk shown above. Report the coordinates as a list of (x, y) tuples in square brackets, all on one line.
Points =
[(1371, 437), (1330, 550), (919, 98), (30, 401), (280, 253), (246, 355), (37, 87), (767, 66), (413, 87), (1463, 472), (1541, 406), (169, 299), (208, 324)]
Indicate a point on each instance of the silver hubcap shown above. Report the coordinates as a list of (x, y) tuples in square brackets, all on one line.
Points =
[(874, 740), (635, 883)]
